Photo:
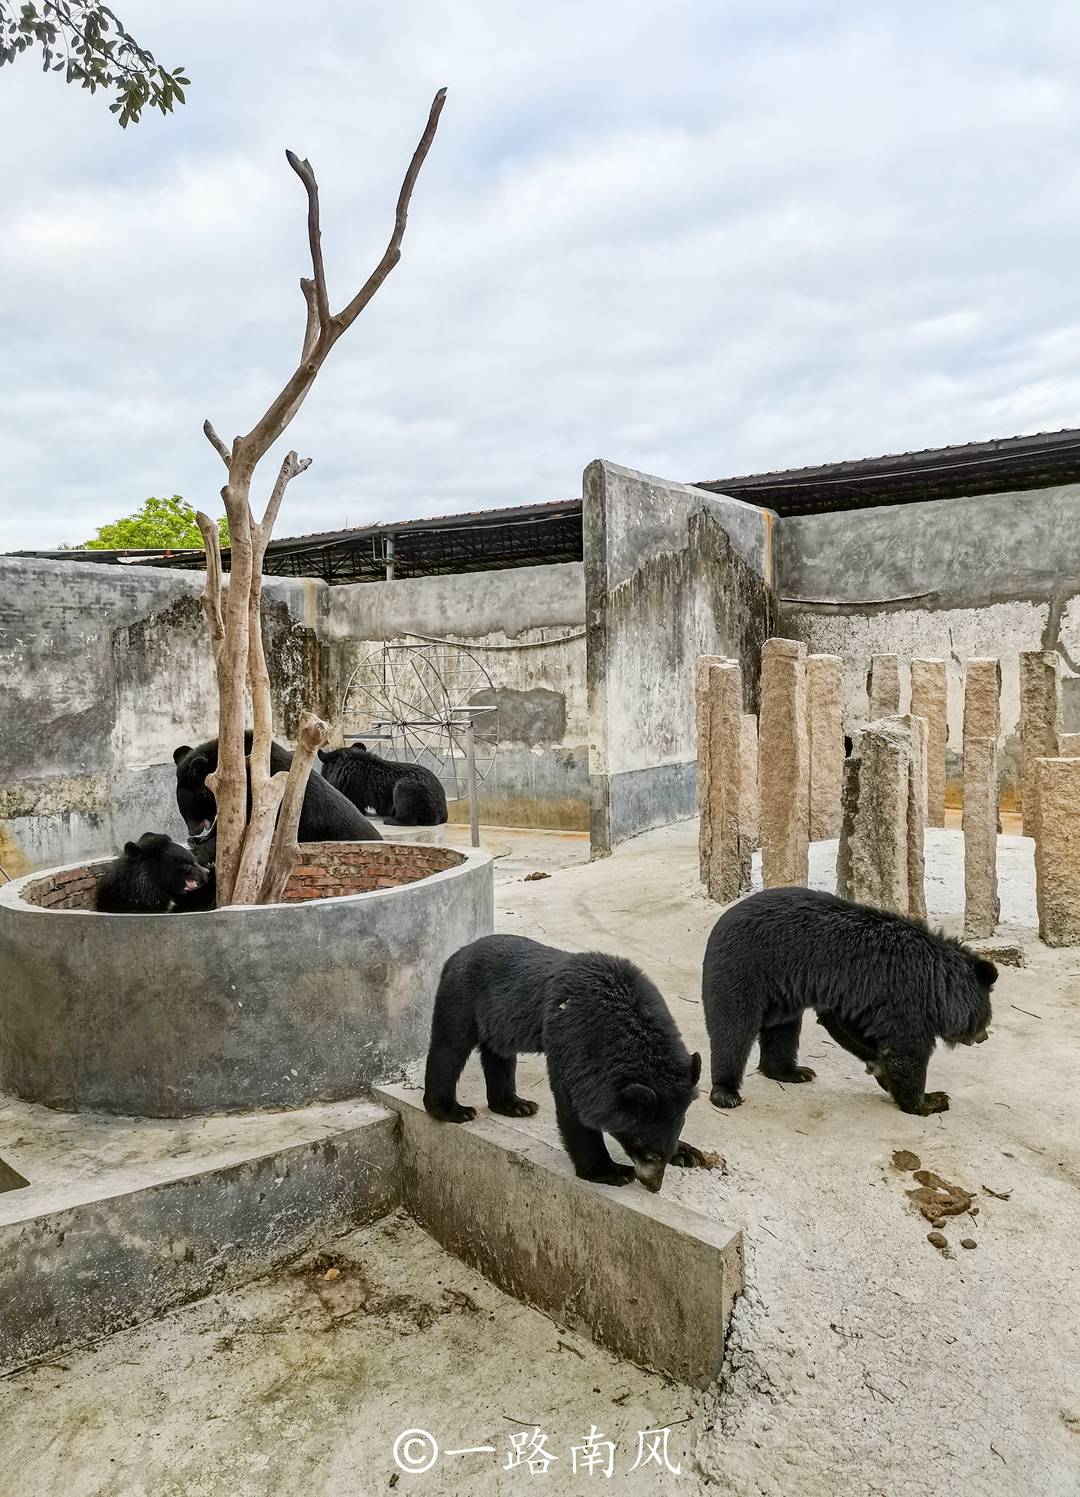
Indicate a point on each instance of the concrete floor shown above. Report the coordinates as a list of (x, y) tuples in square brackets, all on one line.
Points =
[(861, 1360)]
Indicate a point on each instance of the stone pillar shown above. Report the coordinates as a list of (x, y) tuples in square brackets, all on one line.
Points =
[(749, 793), (916, 814), (1068, 746), (728, 865), (872, 861), (1038, 724), (701, 709), (825, 725), (982, 726), (784, 764), (1057, 850), (883, 686), (930, 700)]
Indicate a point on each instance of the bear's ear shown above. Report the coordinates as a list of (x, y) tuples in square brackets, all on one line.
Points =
[(324, 755), (637, 1095), (181, 753), (695, 1068), (132, 849), (985, 972)]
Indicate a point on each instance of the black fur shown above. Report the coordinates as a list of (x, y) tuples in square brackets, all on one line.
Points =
[(148, 877), (615, 1061), (204, 851), (405, 794), (326, 815), (884, 987)]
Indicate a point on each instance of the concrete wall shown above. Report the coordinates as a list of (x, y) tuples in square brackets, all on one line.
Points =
[(671, 573), (103, 671), (526, 627), (989, 575)]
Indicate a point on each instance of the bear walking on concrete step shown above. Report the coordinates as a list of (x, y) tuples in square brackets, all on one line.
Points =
[(884, 987), (615, 1060), (326, 815), (148, 877), (405, 794)]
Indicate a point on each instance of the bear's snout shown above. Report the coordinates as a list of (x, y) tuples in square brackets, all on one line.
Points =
[(651, 1175)]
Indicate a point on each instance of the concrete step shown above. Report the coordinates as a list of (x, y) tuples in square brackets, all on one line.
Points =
[(645, 1277), (123, 1218)]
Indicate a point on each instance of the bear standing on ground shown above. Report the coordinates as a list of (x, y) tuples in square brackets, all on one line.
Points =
[(405, 794), (326, 815), (615, 1061), (149, 877), (885, 988)]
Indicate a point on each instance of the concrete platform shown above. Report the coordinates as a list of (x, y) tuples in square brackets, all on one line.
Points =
[(646, 1278), (123, 1218)]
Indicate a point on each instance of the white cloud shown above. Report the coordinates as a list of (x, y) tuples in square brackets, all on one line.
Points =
[(699, 240)]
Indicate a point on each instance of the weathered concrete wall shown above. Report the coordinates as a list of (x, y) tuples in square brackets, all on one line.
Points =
[(526, 626), (671, 573), (103, 671), (990, 575)]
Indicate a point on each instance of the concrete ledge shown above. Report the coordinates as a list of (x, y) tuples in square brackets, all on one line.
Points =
[(647, 1279), (77, 1264)]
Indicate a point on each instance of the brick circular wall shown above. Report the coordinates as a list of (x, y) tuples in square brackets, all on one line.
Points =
[(326, 870)]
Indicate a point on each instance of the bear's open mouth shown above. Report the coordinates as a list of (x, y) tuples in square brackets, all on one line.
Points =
[(189, 884)]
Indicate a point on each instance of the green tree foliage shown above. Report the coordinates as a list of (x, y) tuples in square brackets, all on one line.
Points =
[(168, 523), (89, 45)]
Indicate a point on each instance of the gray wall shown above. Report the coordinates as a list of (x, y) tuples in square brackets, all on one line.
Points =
[(671, 573), (104, 670), (988, 575), (526, 627)]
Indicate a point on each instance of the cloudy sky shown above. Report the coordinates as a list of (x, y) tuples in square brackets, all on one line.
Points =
[(702, 238)]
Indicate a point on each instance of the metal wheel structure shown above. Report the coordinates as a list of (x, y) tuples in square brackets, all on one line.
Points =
[(418, 704)]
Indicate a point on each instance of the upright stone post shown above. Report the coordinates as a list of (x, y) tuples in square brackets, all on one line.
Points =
[(1057, 850), (702, 715), (930, 700), (883, 686), (784, 764), (728, 872), (982, 726), (872, 860), (1038, 724), (916, 814), (749, 792), (825, 722)]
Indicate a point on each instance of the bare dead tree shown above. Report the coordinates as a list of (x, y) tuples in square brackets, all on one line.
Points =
[(256, 854)]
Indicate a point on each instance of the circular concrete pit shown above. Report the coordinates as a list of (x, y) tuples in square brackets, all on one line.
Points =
[(314, 999)]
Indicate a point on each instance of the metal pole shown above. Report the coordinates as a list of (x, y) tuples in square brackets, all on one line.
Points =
[(470, 760), (388, 558)]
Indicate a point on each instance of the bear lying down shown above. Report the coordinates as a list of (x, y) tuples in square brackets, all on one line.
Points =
[(149, 878), (885, 988), (615, 1061)]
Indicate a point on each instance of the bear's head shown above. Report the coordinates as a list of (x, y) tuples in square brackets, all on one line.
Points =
[(341, 758), (649, 1117), (196, 802), (170, 865), (971, 1028)]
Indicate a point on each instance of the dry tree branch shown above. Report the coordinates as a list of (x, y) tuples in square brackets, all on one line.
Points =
[(285, 850), (311, 187), (216, 442), (291, 467), (311, 331), (392, 255), (211, 593)]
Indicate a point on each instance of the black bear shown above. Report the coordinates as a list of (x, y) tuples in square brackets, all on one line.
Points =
[(884, 987), (615, 1061), (405, 794), (148, 877), (204, 851), (326, 815)]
